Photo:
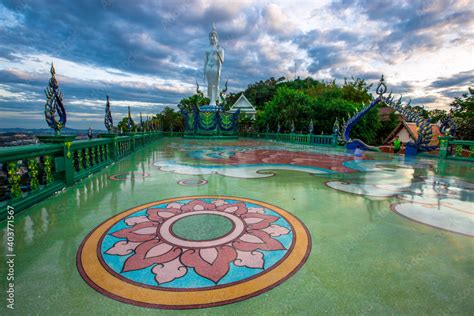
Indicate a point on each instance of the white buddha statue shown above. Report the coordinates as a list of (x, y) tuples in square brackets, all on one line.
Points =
[(212, 66)]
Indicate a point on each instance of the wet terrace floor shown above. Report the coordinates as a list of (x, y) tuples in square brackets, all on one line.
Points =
[(251, 227)]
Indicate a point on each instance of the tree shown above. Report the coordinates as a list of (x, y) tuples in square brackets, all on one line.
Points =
[(169, 120), (463, 112), (123, 125), (420, 111), (191, 102), (436, 115), (286, 107), (245, 122)]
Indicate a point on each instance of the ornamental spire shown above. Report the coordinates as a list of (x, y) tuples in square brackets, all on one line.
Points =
[(108, 122), (54, 111)]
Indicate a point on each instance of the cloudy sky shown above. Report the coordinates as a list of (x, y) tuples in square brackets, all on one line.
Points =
[(148, 54)]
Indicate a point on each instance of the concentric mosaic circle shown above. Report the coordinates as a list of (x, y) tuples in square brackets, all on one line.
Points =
[(192, 252), (129, 175), (192, 182)]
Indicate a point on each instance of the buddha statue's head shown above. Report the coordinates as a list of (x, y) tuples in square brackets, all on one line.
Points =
[(213, 39)]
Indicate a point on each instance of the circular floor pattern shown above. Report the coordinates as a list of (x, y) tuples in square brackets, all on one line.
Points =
[(193, 252), (192, 182), (128, 175)]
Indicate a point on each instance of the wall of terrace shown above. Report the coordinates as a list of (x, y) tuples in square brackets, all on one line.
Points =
[(31, 173)]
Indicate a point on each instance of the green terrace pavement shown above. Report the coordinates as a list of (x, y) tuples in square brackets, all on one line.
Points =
[(376, 243)]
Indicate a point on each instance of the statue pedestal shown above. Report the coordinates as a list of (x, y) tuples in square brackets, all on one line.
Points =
[(211, 108), (56, 139), (210, 122)]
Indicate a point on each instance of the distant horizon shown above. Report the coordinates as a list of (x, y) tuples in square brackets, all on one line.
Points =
[(149, 55)]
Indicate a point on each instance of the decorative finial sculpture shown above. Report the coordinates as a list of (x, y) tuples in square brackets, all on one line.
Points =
[(54, 111), (278, 127), (130, 120), (382, 87), (222, 95), (108, 122), (89, 133), (335, 128), (214, 58), (311, 127), (292, 126)]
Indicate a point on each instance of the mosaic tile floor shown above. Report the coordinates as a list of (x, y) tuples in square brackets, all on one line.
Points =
[(253, 228)]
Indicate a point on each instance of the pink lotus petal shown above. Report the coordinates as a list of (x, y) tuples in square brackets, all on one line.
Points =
[(174, 205), (138, 260), (253, 220), (145, 231), (198, 207), (264, 222), (276, 230), (167, 272), (130, 234), (158, 250), (251, 238), (251, 259), (219, 202), (231, 209), (132, 221), (161, 214), (215, 271), (209, 254), (165, 214), (122, 248), (268, 243), (238, 209), (258, 210)]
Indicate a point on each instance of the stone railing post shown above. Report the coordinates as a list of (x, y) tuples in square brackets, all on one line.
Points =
[(443, 147), (68, 164)]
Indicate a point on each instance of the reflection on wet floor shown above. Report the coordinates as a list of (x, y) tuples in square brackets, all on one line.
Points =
[(440, 201), (366, 217)]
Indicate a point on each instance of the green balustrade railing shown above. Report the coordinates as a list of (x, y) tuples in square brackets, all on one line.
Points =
[(173, 134), (31, 173), (456, 149), (320, 140)]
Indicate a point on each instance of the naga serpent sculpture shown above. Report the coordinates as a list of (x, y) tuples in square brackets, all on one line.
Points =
[(425, 134), (54, 104)]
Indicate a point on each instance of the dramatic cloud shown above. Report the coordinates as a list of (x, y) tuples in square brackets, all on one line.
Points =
[(148, 54)]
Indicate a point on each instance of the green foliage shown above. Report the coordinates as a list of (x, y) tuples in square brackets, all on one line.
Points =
[(301, 101), (458, 150), (420, 111), (259, 93), (33, 173), (245, 122), (288, 105), (356, 90), (437, 115), (463, 112), (191, 102), (48, 169), (387, 127), (14, 179), (169, 119), (123, 125)]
